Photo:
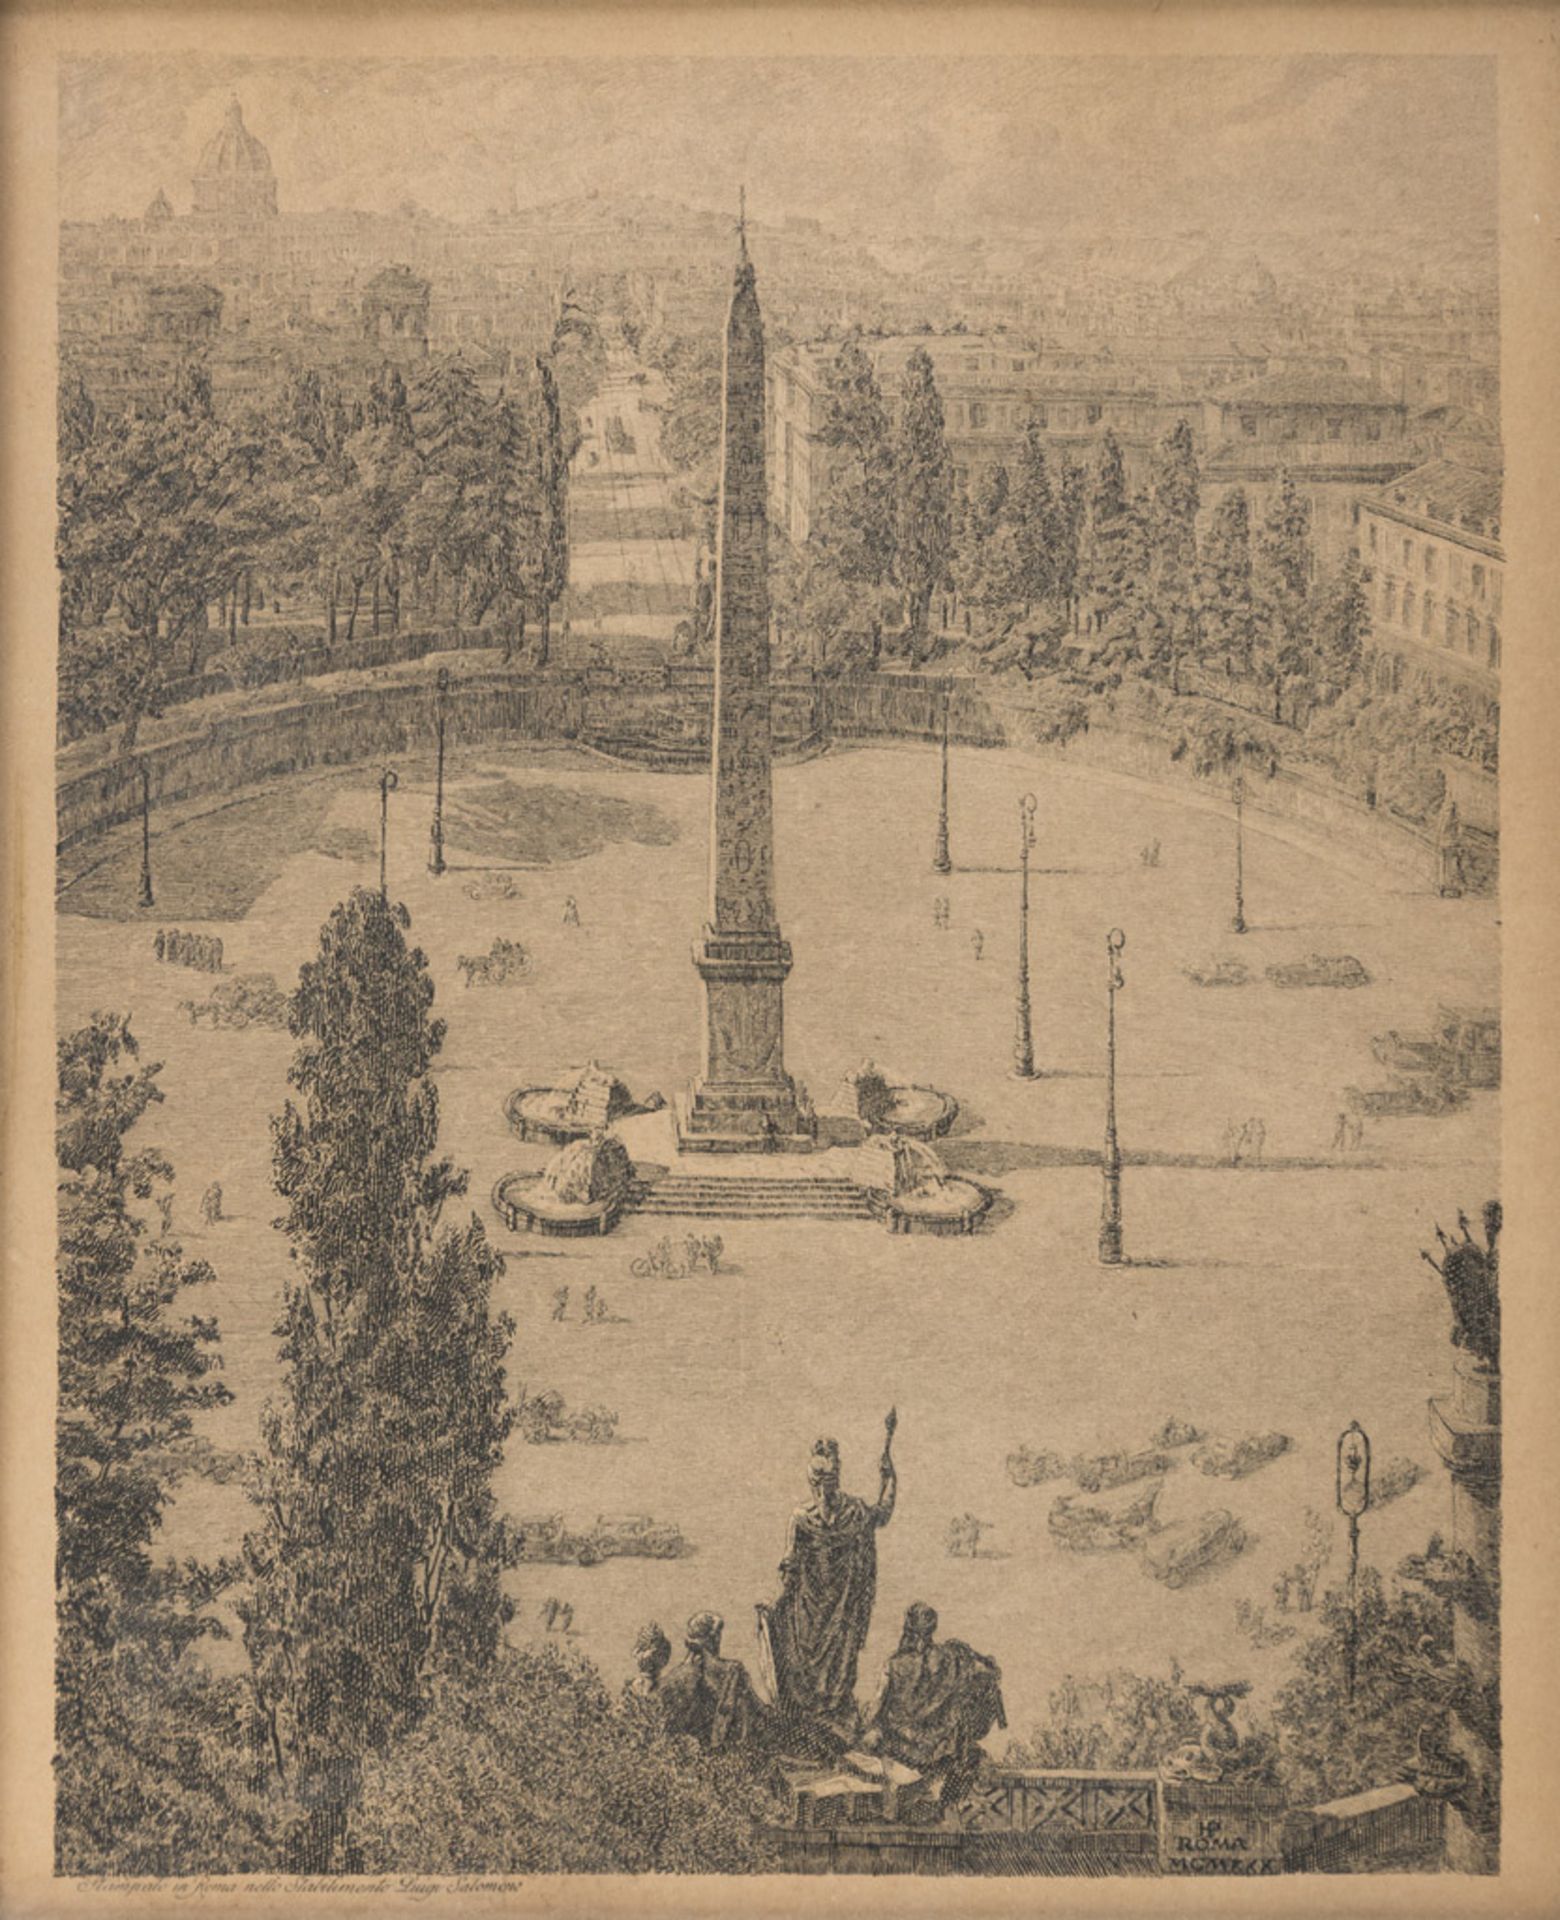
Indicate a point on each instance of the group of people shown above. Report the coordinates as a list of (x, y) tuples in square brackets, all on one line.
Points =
[(202, 950), (593, 1308), (1348, 1133), (937, 1701)]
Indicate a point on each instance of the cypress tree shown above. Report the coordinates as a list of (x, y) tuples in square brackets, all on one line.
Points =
[(552, 493), (1228, 608), (925, 494), (1034, 519), (376, 1564), (1173, 534)]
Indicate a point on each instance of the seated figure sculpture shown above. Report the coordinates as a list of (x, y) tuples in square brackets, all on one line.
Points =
[(710, 1698), (938, 1701)]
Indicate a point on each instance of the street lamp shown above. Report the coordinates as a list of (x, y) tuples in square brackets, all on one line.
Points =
[(145, 897), (1238, 795), (441, 686), (1353, 1500), (1110, 1208), (1023, 1039), (388, 782), (941, 863)]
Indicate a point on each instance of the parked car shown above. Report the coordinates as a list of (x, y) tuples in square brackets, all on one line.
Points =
[(1408, 1099), (1103, 1525), (1320, 970), (1187, 1547), (1219, 973), (1234, 1459), (1118, 1469)]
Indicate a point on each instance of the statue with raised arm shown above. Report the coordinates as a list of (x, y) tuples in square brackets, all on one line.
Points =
[(816, 1628)]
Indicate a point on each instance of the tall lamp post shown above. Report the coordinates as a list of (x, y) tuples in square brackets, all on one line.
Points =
[(1110, 1206), (1023, 1038), (388, 782), (144, 898), (1353, 1500), (436, 839), (941, 863), (1238, 795)]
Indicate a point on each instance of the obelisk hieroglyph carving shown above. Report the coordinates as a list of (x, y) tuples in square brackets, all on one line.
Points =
[(744, 1099)]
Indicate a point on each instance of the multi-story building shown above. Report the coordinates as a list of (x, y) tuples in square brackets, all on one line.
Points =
[(1431, 540), (1336, 436)]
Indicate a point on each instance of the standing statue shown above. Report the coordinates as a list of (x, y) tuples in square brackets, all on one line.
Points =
[(1471, 1275), (816, 1628)]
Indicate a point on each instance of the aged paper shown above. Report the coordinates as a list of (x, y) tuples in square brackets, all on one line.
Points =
[(778, 795)]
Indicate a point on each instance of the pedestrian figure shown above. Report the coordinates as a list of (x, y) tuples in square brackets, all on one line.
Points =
[(1340, 1137), (1356, 1133), (592, 1312), (1256, 1139), (714, 1247), (1233, 1141), (571, 912), (771, 1133), (160, 944), (211, 1204), (560, 1307), (978, 942), (549, 1614), (566, 1617), (940, 912)]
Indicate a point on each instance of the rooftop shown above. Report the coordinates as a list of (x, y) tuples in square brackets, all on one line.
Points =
[(1443, 490), (1319, 388)]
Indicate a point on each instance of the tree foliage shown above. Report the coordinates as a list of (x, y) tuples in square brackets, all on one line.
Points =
[(377, 1557), (924, 506), (536, 1768)]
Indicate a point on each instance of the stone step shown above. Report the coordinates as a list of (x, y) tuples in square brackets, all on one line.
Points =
[(754, 1197)]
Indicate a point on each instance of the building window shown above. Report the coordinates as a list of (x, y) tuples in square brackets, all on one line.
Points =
[(1494, 642), (1471, 641), (1389, 599), (1248, 425), (1373, 429), (1429, 563), (1093, 415), (1041, 417), (1373, 536), (1408, 552), (1453, 626), (1408, 606), (1478, 581), (977, 415), (1495, 580), (1426, 616), (1334, 427)]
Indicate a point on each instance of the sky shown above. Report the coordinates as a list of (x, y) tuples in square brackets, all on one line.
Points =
[(867, 146)]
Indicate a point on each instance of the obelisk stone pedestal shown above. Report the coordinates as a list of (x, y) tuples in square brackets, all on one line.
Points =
[(744, 1100)]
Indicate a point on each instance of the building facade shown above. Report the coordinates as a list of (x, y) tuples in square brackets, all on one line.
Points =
[(1431, 540)]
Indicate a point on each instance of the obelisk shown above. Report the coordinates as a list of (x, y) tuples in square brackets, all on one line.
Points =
[(744, 1101)]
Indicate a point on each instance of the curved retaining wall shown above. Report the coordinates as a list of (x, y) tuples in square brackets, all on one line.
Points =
[(608, 711)]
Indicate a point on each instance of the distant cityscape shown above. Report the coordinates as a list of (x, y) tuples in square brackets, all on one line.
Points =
[(1376, 392)]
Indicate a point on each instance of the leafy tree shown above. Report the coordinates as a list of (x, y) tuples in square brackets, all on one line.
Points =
[(857, 524), (1035, 520), (1340, 624), (1071, 512), (552, 505), (141, 1752), (1407, 1679), (1173, 535), (377, 1560), (1115, 559), (535, 1768), (1228, 607), (924, 508), (1120, 1720), (1282, 581)]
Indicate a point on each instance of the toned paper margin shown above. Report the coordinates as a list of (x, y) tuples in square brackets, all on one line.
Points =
[(1526, 43)]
